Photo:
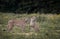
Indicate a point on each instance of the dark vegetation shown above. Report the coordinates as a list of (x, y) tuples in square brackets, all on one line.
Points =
[(30, 6)]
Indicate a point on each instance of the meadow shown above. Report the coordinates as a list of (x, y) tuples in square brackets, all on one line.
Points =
[(49, 26)]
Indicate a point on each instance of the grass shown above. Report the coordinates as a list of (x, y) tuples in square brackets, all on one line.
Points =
[(49, 25)]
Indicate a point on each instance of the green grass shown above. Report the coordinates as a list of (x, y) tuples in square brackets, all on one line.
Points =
[(49, 26)]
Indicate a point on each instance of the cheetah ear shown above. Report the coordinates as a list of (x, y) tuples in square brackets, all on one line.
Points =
[(26, 19)]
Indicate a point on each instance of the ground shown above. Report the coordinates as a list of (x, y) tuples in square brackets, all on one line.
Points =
[(49, 25)]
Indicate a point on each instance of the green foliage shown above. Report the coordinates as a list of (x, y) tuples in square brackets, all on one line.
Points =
[(23, 6)]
